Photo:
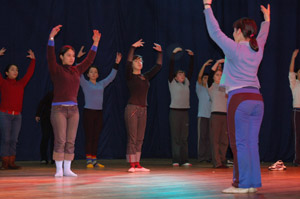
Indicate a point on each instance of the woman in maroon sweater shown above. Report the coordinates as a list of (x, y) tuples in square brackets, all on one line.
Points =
[(12, 92), (64, 112)]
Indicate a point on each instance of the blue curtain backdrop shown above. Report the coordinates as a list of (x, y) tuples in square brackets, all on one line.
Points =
[(26, 25)]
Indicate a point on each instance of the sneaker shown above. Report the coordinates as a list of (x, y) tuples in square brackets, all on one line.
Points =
[(175, 164), (229, 162), (98, 165), (44, 162), (131, 170), (187, 164), (252, 190), (235, 190), (89, 165), (277, 166), (142, 169)]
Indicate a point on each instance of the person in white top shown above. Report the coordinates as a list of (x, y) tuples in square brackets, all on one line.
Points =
[(295, 87)]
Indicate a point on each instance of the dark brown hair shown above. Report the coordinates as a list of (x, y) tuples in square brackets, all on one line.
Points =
[(93, 66), (249, 30), (8, 67), (65, 48)]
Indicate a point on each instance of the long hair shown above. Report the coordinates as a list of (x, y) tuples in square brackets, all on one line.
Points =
[(249, 29)]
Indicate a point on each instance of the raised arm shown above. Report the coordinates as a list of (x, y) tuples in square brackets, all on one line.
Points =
[(191, 65), (292, 64), (2, 51), (51, 58), (225, 43), (265, 26), (172, 63), (129, 69), (150, 74), (292, 74), (215, 67), (79, 56), (207, 63), (113, 72), (87, 62), (30, 69)]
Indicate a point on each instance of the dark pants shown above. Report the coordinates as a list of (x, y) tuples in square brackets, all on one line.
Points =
[(10, 126), (218, 138), (92, 124), (64, 120), (179, 126), (135, 119), (47, 136), (296, 125), (204, 150)]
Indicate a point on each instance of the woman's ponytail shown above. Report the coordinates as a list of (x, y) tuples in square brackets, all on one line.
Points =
[(249, 29), (253, 43)]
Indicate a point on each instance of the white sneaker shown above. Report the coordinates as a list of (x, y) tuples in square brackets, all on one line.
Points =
[(252, 190), (277, 166), (70, 174), (235, 190), (131, 170), (59, 174), (175, 164), (142, 169), (187, 164)]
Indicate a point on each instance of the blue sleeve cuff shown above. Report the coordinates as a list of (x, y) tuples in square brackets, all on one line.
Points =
[(50, 42), (94, 48)]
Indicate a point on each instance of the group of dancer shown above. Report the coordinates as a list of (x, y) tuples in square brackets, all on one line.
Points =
[(230, 104)]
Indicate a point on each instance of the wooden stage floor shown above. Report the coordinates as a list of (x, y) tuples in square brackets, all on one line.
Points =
[(199, 181)]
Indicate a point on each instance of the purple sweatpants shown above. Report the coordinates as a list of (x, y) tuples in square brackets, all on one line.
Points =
[(245, 112)]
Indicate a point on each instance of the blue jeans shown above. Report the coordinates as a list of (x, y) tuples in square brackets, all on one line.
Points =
[(10, 126), (64, 121)]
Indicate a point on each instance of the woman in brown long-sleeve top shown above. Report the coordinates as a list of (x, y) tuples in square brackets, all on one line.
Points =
[(136, 109)]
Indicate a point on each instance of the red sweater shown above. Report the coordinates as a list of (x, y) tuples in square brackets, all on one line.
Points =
[(66, 79), (12, 91)]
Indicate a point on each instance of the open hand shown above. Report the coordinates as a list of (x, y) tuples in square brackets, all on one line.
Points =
[(2, 51), (30, 54), (96, 36), (54, 31), (138, 44), (118, 57), (207, 1), (266, 12), (208, 62), (157, 47), (177, 49), (189, 52), (81, 53), (37, 119), (221, 61)]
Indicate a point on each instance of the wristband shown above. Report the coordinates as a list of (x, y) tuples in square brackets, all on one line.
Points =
[(207, 4)]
